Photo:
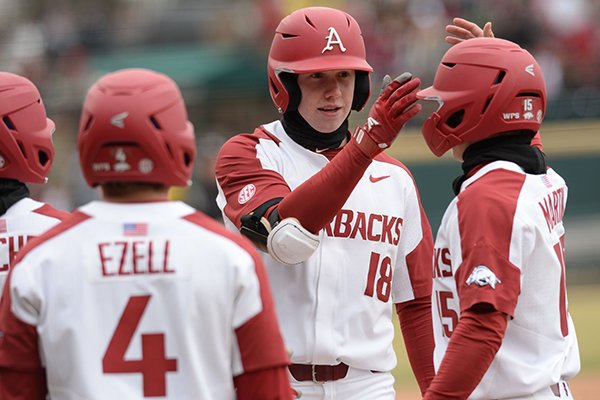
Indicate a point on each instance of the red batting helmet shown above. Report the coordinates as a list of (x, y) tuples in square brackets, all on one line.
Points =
[(26, 149), (317, 39), (483, 86), (134, 128)]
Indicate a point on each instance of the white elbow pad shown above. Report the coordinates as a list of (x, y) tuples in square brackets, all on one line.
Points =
[(289, 243)]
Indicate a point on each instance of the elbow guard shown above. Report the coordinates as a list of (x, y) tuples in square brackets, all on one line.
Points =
[(290, 243)]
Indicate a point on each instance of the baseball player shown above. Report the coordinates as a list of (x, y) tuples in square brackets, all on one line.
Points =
[(26, 154), (136, 296), (500, 310), (342, 229)]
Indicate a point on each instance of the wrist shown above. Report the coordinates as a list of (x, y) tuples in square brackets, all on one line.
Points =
[(364, 143)]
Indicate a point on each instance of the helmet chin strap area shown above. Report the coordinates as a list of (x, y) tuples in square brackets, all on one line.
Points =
[(308, 137)]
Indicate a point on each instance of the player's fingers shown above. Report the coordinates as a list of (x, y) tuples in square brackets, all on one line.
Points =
[(453, 40), (386, 81), (404, 90), (458, 32), (404, 103), (487, 30), (472, 27), (411, 111)]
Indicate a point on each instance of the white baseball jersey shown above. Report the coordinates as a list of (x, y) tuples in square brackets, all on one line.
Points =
[(501, 242), (23, 220), (143, 300), (337, 306)]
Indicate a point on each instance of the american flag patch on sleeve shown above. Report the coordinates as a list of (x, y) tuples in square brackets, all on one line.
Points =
[(135, 229), (546, 181)]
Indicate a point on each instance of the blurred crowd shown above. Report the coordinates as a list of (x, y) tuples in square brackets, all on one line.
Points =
[(52, 43)]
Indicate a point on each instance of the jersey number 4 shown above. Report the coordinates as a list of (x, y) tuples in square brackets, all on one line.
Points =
[(153, 365)]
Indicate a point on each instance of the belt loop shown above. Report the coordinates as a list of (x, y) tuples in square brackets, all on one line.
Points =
[(314, 373)]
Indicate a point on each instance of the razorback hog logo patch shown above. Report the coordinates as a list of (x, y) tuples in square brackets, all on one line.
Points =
[(482, 276)]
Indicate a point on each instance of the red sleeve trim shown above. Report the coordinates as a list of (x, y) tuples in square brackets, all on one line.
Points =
[(420, 260), (245, 183), (486, 212), (73, 219), (52, 212), (259, 339), (19, 344)]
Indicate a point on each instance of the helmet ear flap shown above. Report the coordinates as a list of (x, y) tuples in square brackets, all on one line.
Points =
[(362, 89), (290, 83)]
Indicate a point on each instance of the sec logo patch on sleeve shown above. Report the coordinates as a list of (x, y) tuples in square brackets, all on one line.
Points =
[(246, 193)]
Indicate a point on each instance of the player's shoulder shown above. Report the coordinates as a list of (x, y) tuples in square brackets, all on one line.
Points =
[(215, 228), (67, 224), (492, 194), (395, 166), (47, 210), (243, 141), (392, 162)]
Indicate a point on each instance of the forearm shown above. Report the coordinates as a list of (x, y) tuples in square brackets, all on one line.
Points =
[(417, 331), (474, 343), (317, 200)]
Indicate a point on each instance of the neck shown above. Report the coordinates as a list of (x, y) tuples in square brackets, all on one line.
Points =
[(308, 137), (136, 195)]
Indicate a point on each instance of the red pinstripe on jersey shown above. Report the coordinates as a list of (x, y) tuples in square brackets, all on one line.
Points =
[(50, 211)]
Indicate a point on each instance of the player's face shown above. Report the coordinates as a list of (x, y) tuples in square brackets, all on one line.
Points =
[(326, 98)]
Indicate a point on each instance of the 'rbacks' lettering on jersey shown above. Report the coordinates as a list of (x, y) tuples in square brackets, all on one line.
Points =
[(375, 252), (365, 226), (485, 254)]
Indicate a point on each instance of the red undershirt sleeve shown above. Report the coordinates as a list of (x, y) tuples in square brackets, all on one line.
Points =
[(334, 183), (21, 385), (416, 326), (474, 343), (266, 384)]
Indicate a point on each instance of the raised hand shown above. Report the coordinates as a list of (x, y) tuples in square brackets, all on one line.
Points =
[(463, 29), (394, 107)]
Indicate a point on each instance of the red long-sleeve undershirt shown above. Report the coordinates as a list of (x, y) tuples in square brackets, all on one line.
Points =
[(416, 326), (335, 182), (474, 342)]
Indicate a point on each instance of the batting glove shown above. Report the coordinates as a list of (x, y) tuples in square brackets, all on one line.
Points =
[(394, 107)]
